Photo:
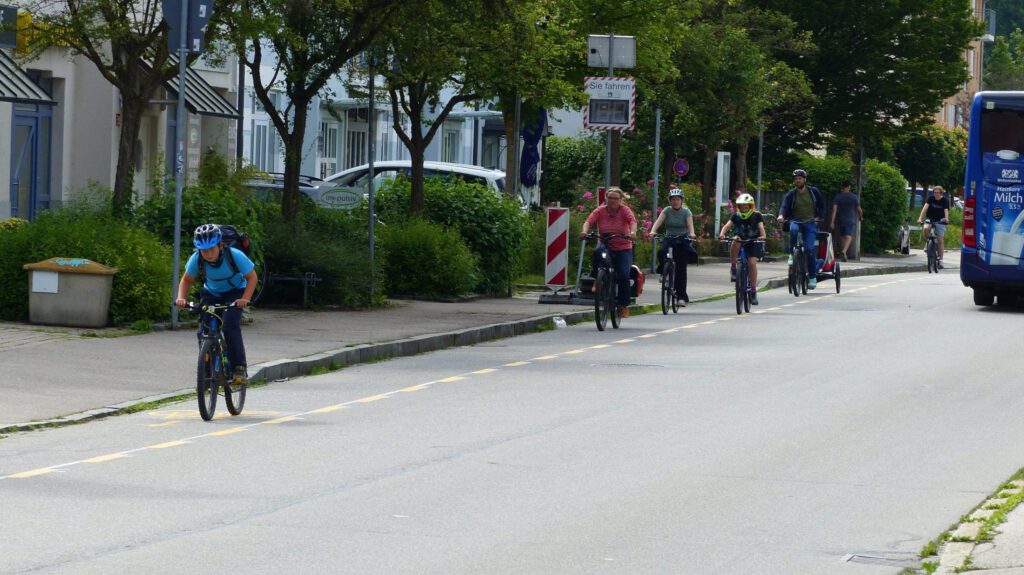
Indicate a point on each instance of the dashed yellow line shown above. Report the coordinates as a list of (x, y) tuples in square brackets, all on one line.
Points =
[(164, 424), (284, 419), (106, 458), (413, 388), (451, 379), (574, 351), (33, 473), (369, 399), (647, 336), (230, 431), (483, 371), (599, 346), (544, 357), (174, 443), (627, 340), (329, 408), (517, 363)]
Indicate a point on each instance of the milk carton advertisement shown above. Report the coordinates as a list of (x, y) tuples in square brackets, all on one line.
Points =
[(1002, 235)]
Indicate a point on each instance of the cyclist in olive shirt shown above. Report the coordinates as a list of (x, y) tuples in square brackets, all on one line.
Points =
[(804, 203)]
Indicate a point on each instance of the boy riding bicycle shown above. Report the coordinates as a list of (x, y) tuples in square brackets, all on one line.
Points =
[(225, 282), (749, 224)]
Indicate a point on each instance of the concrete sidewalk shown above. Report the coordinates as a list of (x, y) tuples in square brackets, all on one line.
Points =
[(58, 376)]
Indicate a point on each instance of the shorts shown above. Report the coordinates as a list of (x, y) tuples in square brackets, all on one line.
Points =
[(846, 229), (940, 230), (755, 250)]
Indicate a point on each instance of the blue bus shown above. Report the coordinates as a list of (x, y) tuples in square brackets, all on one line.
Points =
[(993, 234)]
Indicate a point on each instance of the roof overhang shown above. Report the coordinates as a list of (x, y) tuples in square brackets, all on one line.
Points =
[(16, 86), (200, 97)]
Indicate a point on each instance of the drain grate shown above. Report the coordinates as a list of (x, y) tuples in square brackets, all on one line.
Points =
[(887, 559)]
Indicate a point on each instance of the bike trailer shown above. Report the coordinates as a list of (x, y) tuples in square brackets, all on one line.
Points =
[(636, 281), (826, 257)]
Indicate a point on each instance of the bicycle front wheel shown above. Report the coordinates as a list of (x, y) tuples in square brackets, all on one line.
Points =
[(739, 289), (746, 289), (234, 397), (613, 300), (206, 378), (600, 300), (802, 271)]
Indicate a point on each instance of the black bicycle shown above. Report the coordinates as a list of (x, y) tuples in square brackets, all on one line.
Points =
[(743, 287), (213, 371), (606, 289), (931, 246), (798, 275), (669, 299)]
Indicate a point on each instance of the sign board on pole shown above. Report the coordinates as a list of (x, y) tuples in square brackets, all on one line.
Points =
[(612, 104), (623, 49), (8, 26), (199, 12), (721, 187), (681, 167), (557, 255)]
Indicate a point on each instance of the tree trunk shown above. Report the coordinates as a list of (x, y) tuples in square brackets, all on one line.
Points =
[(124, 176), (417, 150), (508, 118), (740, 164), (293, 163)]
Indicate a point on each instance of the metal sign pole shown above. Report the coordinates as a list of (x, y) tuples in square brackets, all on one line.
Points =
[(179, 166), (654, 192), (372, 152), (608, 141)]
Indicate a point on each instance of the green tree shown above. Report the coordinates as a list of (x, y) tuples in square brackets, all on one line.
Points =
[(303, 45), (933, 155), (1004, 69), (1009, 15), (127, 42)]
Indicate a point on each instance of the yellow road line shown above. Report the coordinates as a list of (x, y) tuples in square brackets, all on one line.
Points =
[(451, 379), (647, 336), (371, 399), (227, 431), (105, 458), (33, 473), (543, 357), (483, 371), (627, 340), (573, 351), (174, 443), (517, 363), (599, 346), (329, 408), (164, 424), (412, 388), (284, 419)]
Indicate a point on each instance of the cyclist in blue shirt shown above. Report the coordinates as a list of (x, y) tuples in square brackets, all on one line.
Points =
[(804, 203), (226, 281)]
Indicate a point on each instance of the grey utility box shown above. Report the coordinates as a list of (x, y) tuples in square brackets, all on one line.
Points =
[(69, 291)]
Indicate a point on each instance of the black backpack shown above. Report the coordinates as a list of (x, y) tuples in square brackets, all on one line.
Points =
[(230, 237)]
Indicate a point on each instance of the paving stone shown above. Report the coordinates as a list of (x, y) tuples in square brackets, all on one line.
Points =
[(967, 531)]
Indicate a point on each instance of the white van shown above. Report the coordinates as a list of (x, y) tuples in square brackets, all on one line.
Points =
[(356, 178)]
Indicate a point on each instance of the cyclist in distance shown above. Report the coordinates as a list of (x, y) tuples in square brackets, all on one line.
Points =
[(936, 211), (749, 224), (678, 221), (614, 217), (804, 203), (224, 283)]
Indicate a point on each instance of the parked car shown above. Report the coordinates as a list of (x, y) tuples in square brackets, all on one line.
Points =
[(357, 178), (320, 192)]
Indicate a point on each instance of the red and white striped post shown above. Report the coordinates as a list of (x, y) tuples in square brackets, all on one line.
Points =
[(557, 254)]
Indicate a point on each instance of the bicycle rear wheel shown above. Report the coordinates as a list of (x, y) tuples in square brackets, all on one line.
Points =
[(600, 299), (668, 288), (929, 249), (206, 378), (234, 396)]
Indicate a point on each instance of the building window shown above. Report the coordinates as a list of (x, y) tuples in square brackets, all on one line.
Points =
[(450, 146)]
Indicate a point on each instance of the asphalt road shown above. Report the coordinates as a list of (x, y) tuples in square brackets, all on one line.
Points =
[(823, 434)]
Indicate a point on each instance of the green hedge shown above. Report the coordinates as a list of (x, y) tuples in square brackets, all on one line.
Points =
[(426, 259), (142, 286), (495, 228)]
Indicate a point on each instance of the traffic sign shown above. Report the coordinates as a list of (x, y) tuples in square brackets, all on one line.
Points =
[(681, 168), (612, 103)]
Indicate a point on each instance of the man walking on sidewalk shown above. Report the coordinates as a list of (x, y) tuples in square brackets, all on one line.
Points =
[(846, 205)]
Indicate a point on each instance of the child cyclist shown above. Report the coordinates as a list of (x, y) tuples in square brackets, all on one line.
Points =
[(749, 224), (225, 283)]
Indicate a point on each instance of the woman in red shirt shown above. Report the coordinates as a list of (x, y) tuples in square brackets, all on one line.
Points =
[(614, 217)]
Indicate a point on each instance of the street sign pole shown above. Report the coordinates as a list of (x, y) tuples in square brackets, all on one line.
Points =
[(372, 153), (654, 192), (608, 144), (179, 164)]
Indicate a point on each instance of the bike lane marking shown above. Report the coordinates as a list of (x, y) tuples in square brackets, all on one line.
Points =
[(377, 397)]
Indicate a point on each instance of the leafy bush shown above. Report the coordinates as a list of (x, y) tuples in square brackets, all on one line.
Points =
[(884, 202), (333, 244), (571, 165), (495, 228), (427, 259), (142, 285)]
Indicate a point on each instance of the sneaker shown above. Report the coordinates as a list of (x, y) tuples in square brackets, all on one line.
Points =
[(941, 267), (753, 297), (732, 274), (623, 311), (842, 257), (812, 283), (789, 261), (241, 376)]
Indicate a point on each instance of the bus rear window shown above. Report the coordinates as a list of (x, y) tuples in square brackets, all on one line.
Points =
[(1002, 130)]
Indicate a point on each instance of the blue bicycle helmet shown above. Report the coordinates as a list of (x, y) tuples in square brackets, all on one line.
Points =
[(206, 236)]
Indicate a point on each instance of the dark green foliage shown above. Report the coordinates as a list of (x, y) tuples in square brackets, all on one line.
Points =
[(142, 286), (333, 244), (427, 259), (571, 165), (885, 205), (495, 228)]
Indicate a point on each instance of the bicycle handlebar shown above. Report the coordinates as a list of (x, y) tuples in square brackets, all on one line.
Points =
[(737, 239), (927, 221), (673, 236), (604, 237), (209, 308)]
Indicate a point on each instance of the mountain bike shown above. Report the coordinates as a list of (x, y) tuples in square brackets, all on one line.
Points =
[(213, 370), (931, 246), (606, 289), (743, 287), (669, 299)]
